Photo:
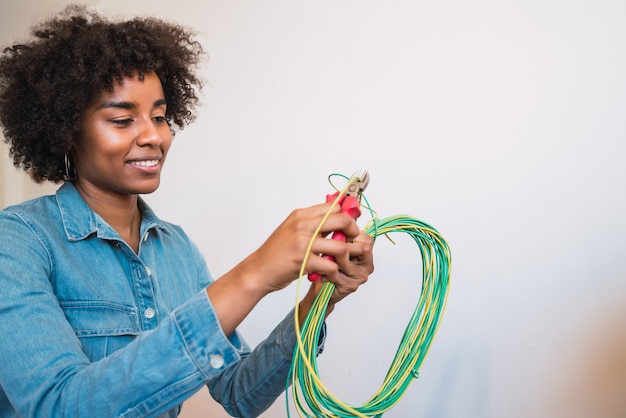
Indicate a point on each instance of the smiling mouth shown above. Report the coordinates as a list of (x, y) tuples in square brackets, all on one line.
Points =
[(145, 163)]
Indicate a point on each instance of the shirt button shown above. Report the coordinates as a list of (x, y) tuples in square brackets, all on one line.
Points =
[(149, 313), (149, 271), (216, 361), (145, 237)]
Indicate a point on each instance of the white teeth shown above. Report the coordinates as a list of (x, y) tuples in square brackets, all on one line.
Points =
[(146, 163)]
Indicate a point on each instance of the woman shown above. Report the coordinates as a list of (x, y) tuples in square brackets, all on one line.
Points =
[(106, 310)]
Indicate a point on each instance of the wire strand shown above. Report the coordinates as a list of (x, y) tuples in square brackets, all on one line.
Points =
[(310, 396)]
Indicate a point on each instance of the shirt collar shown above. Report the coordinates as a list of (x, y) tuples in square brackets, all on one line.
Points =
[(80, 221)]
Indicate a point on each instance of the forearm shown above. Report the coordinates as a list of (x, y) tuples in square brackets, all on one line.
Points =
[(235, 294)]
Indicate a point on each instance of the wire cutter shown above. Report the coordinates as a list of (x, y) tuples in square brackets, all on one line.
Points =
[(350, 203)]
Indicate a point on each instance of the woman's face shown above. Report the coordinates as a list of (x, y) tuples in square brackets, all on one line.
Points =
[(125, 138)]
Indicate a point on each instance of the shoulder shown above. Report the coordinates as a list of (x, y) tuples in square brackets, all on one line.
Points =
[(28, 232), (38, 210)]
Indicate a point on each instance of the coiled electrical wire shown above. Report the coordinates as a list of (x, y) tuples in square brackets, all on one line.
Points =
[(311, 397)]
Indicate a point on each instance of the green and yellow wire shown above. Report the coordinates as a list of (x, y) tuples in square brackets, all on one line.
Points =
[(311, 397)]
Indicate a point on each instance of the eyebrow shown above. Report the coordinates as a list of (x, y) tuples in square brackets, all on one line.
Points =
[(127, 105)]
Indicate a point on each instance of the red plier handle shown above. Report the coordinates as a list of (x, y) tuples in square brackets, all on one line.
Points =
[(350, 204)]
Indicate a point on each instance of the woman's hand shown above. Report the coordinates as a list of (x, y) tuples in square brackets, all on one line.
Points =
[(277, 262), (353, 271), (280, 258)]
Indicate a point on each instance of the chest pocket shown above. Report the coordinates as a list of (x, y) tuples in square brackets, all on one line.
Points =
[(102, 327)]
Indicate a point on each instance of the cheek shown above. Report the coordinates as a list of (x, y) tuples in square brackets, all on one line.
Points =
[(103, 141)]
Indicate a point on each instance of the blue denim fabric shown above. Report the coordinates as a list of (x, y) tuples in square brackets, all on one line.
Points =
[(88, 328)]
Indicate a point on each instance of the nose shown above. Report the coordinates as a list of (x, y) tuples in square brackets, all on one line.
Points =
[(149, 133)]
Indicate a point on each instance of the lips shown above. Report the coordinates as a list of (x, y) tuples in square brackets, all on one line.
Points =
[(147, 165), (144, 163)]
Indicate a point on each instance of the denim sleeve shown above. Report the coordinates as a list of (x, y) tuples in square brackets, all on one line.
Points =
[(44, 372), (250, 386)]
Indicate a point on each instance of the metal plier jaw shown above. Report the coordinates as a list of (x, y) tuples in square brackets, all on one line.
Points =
[(350, 203), (351, 200), (358, 183)]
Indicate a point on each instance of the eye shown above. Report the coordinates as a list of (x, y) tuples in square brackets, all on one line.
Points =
[(160, 120), (122, 122)]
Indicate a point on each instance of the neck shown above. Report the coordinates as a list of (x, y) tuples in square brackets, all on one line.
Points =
[(120, 211)]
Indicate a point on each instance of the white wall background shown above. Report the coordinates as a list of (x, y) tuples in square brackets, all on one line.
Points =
[(501, 123)]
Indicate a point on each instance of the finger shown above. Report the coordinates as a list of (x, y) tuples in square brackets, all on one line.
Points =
[(317, 218), (325, 270), (361, 246), (331, 247), (347, 284), (341, 222), (321, 209)]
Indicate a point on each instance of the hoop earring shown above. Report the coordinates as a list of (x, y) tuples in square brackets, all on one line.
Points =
[(70, 171)]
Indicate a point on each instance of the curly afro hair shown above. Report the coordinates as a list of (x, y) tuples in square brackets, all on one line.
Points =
[(48, 82)]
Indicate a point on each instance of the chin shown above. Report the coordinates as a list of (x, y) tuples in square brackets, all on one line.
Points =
[(148, 191), (147, 188)]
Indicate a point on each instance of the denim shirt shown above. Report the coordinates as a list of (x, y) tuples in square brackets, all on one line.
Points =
[(89, 328)]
